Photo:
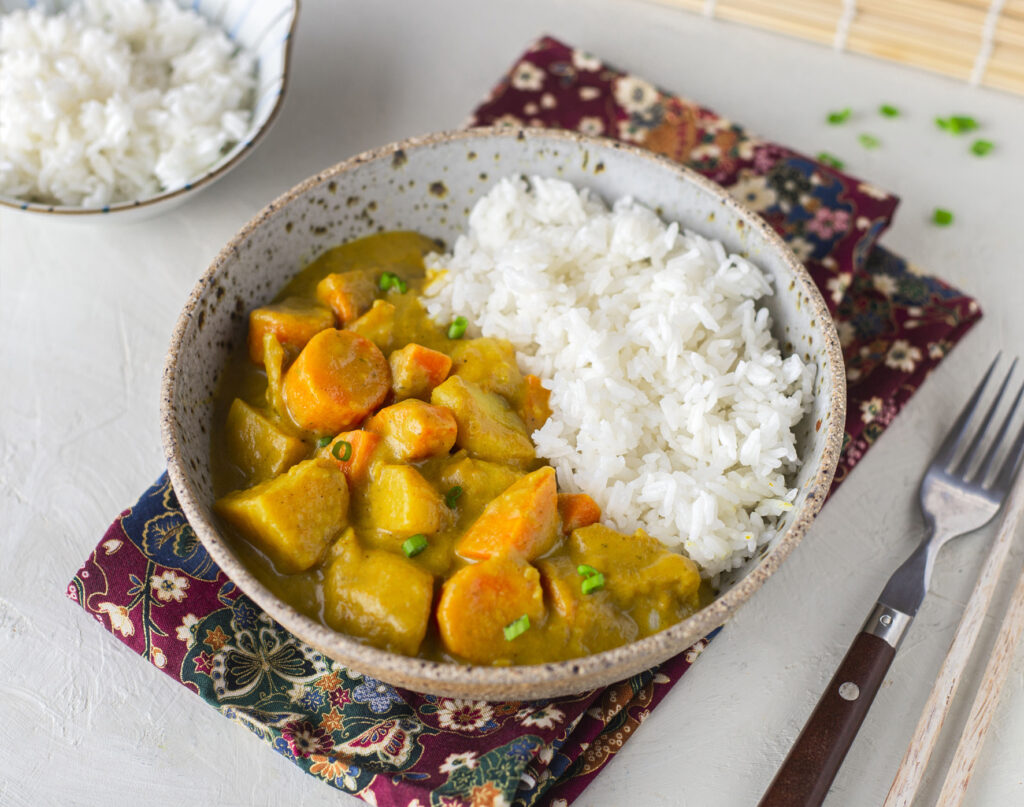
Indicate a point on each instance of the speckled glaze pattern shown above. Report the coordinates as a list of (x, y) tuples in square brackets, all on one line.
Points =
[(429, 184), (265, 28)]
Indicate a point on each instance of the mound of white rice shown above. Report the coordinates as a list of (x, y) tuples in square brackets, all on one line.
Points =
[(115, 100), (673, 407)]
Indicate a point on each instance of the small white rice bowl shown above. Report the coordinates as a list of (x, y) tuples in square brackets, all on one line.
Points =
[(116, 100), (673, 406)]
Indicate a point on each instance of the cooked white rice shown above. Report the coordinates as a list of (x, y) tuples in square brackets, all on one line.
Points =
[(115, 100), (673, 407)]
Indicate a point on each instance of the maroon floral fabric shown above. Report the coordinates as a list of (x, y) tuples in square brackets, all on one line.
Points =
[(153, 586)]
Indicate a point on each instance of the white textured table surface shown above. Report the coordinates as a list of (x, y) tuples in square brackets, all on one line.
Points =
[(86, 312)]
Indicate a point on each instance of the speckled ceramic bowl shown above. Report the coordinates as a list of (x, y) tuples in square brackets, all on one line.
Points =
[(264, 28), (429, 184)]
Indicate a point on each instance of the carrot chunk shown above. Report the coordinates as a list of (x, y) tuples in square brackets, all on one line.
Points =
[(577, 510), (347, 294), (361, 447), (293, 321), (416, 370), (535, 410), (337, 380), (413, 430), (479, 601), (521, 521)]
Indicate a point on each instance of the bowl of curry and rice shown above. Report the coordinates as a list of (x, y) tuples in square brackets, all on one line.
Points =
[(501, 413)]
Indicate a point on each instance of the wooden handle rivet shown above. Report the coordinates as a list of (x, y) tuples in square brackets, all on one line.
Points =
[(885, 619), (849, 691)]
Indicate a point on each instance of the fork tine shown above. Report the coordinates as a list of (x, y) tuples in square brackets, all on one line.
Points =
[(1009, 470), (972, 450), (956, 433), (997, 441)]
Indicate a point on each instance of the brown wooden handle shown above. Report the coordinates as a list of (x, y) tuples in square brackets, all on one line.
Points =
[(812, 763)]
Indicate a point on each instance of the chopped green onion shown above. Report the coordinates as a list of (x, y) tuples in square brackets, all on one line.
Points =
[(840, 116), (957, 124), (342, 450), (982, 147), (415, 544), (452, 496), (517, 628), (828, 159), (458, 328), (869, 141), (889, 111), (593, 583), (585, 570), (942, 217), (323, 441), (389, 280)]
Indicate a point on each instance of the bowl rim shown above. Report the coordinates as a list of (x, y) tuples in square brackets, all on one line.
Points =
[(547, 679), (203, 180)]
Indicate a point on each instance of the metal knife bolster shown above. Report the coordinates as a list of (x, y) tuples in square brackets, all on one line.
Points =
[(888, 624), (902, 596)]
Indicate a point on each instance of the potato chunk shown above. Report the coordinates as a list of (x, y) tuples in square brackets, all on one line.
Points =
[(337, 380), (347, 294), (479, 601), (293, 321), (416, 370), (377, 325), (488, 427), (257, 446), (480, 481), (491, 365), (378, 596), (657, 586), (413, 430), (522, 521), (293, 517), (403, 502)]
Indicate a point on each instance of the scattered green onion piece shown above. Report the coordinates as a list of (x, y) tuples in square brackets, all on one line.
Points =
[(323, 441), (458, 328), (585, 570), (840, 116), (387, 280), (941, 217), (401, 285), (982, 147), (828, 159), (594, 582), (889, 111), (415, 544), (452, 496), (869, 141), (963, 123), (517, 628), (345, 449)]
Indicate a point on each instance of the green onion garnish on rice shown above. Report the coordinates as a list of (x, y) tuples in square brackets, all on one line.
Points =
[(517, 628), (982, 147), (943, 218), (840, 116), (415, 544), (342, 450), (458, 328)]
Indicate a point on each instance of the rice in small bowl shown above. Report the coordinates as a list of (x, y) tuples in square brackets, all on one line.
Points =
[(430, 185), (129, 106)]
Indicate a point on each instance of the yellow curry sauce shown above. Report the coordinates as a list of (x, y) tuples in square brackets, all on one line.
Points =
[(378, 470)]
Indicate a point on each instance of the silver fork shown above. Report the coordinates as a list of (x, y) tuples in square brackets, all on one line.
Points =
[(958, 495)]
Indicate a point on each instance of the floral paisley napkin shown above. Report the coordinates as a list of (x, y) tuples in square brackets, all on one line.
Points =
[(151, 583)]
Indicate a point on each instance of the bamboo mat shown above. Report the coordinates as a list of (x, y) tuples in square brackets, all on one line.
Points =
[(980, 41)]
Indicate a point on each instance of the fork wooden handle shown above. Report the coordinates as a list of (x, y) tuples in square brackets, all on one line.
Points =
[(812, 763)]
